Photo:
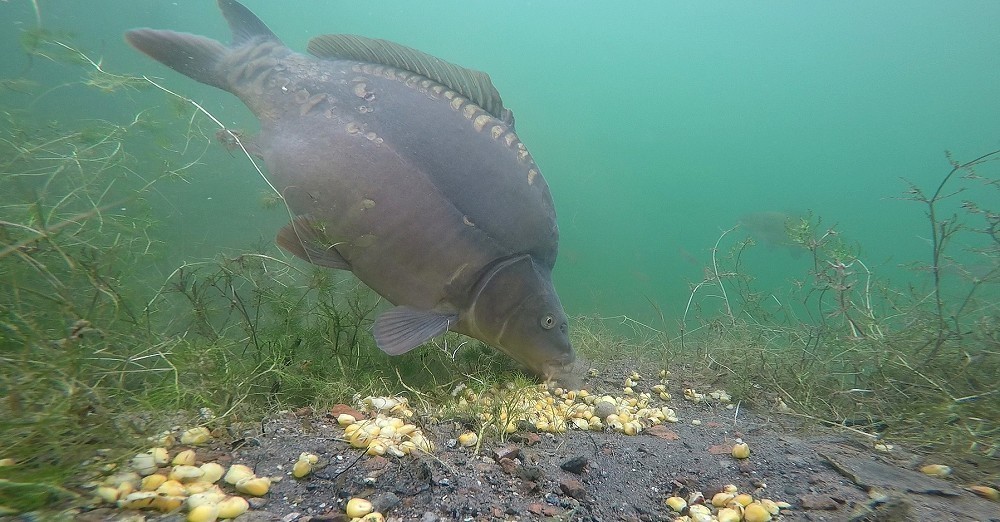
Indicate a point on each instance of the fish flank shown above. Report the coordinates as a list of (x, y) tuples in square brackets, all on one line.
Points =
[(302, 96), (311, 103)]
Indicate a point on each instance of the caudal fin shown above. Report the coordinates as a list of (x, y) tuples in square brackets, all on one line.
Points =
[(198, 56)]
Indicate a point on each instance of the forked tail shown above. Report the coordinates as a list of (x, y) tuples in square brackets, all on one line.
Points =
[(203, 58)]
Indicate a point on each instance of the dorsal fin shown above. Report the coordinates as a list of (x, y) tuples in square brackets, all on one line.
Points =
[(243, 23), (474, 85)]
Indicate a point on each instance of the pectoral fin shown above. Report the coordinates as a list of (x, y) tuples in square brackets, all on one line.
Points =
[(402, 329), (306, 240)]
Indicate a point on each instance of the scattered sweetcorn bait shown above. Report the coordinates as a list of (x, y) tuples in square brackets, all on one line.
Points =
[(676, 503), (720, 396), (729, 506), (204, 513), (936, 470), (986, 492), (152, 482), (691, 395), (184, 473), (728, 515), (358, 507), (236, 473), (398, 406), (144, 463), (756, 513), (212, 472), (256, 486), (304, 465), (209, 497), (196, 436), (722, 499), (741, 450), (184, 458), (181, 486), (165, 440), (468, 439), (232, 507)]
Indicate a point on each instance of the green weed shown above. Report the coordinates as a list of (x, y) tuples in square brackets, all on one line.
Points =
[(916, 365)]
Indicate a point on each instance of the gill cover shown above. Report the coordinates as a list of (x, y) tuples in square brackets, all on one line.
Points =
[(515, 308)]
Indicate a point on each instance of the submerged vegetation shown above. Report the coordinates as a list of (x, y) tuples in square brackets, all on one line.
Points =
[(96, 352), (915, 365)]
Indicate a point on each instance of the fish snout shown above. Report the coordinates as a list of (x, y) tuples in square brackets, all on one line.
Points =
[(565, 359), (559, 362), (565, 368)]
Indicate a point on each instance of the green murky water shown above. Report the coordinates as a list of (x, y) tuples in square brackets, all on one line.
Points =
[(657, 124)]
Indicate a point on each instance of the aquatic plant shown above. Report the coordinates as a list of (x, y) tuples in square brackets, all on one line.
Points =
[(74, 229), (844, 347), (944, 229)]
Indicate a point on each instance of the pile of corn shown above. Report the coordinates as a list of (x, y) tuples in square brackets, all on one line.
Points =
[(155, 481), (387, 432), (556, 410)]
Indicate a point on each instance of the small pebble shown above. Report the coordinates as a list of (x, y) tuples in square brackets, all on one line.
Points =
[(383, 501), (604, 408), (575, 465)]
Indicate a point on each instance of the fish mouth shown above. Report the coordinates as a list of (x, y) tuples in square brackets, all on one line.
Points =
[(553, 366)]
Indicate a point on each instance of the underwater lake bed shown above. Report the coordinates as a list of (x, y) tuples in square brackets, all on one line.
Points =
[(830, 302)]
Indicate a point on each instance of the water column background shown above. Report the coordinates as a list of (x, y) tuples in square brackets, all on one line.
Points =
[(657, 124)]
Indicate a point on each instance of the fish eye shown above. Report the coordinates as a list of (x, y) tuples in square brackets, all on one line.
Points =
[(548, 321)]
